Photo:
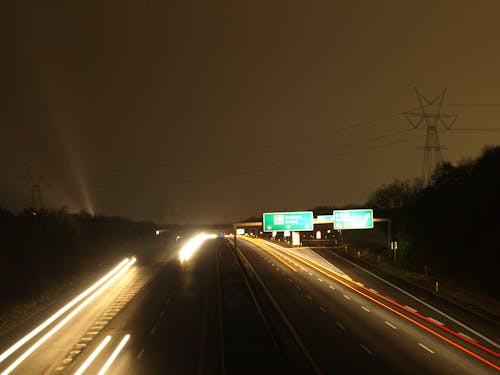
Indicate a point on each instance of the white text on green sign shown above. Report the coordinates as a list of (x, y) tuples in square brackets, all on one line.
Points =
[(353, 219), (288, 221)]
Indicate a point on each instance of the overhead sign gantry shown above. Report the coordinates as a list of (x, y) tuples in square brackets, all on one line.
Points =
[(287, 221)]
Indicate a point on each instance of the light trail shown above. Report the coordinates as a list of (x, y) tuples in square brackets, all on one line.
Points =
[(188, 250), (113, 356), (61, 311), (345, 283), (403, 307), (68, 317), (267, 249), (94, 354)]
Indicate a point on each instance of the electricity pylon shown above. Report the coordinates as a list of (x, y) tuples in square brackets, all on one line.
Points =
[(430, 112)]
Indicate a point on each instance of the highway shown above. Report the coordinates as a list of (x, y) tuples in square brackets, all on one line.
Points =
[(206, 307), (358, 325)]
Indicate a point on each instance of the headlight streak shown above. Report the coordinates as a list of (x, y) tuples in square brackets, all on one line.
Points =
[(345, 283), (188, 250), (113, 356), (68, 317), (405, 308), (94, 354), (268, 250), (61, 311)]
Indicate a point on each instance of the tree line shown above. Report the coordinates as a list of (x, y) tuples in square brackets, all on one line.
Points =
[(452, 223), (50, 246)]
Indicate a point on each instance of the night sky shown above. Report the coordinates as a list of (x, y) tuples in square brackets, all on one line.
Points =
[(214, 111)]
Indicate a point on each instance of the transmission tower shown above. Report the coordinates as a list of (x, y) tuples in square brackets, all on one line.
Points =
[(36, 202), (430, 112)]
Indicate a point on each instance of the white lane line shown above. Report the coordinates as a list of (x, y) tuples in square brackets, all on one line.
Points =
[(435, 321), (331, 287), (411, 308), (322, 309), (310, 274), (365, 308), (153, 330), (374, 291), (340, 325), (390, 325), (139, 356), (298, 287), (426, 348), (289, 279), (320, 280), (162, 313), (308, 297), (422, 302), (347, 297), (366, 349), (468, 337)]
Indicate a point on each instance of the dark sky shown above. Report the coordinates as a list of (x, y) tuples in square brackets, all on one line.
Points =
[(219, 110)]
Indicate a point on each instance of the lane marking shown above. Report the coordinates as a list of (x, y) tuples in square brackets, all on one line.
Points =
[(289, 279), (360, 284), (340, 325), (390, 325), (411, 308), (422, 302), (61, 311), (426, 348), (322, 309), (435, 321), (456, 345), (308, 297), (468, 337), (298, 287), (365, 308), (310, 274), (153, 329), (320, 280), (366, 349), (347, 297), (162, 313), (331, 287), (373, 290)]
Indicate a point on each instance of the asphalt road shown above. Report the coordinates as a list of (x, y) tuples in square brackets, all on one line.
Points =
[(259, 309), (364, 325)]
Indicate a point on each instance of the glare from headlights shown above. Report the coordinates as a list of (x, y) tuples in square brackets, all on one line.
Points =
[(192, 245)]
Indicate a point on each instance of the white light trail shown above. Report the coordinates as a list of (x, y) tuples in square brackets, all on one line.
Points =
[(192, 245), (61, 311), (94, 354), (68, 317), (113, 356)]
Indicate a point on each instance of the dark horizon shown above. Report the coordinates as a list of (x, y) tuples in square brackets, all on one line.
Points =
[(216, 112)]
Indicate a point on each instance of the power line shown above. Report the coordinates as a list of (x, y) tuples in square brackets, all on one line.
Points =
[(256, 170), (432, 148), (290, 141)]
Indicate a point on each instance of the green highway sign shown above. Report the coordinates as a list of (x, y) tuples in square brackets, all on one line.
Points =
[(287, 221), (353, 219)]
